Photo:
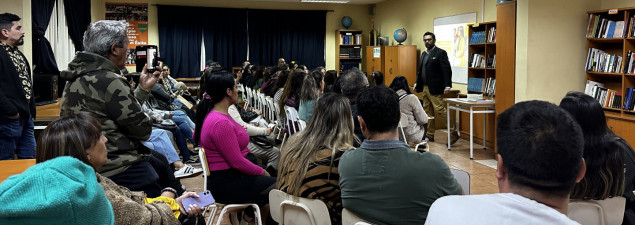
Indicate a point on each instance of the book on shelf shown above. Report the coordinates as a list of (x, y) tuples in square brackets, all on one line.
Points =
[(629, 99), (477, 61), (348, 38), (348, 52), (608, 98), (485, 86), (491, 36), (629, 63), (631, 27), (491, 61), (600, 61), (478, 37), (599, 27)]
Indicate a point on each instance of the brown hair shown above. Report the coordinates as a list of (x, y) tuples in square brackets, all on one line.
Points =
[(69, 136)]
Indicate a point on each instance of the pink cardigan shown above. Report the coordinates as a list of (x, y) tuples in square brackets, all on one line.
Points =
[(225, 143)]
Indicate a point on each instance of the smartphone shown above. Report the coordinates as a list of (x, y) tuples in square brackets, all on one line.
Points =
[(204, 199), (152, 59)]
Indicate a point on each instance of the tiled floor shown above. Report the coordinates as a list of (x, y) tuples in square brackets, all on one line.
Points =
[(482, 179)]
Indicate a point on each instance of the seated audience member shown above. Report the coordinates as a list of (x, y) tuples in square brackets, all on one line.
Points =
[(183, 130), (539, 161), (269, 156), (234, 176), (376, 79), (258, 74), (159, 141), (309, 163), (410, 106), (79, 136), (350, 83), (312, 88), (329, 80), (384, 181), (75, 197), (610, 161), (283, 79), (270, 81), (94, 85)]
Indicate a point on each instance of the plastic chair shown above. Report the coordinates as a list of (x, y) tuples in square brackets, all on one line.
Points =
[(609, 211), (463, 178), (293, 122), (403, 122), (349, 218), (247, 100), (231, 209), (288, 209)]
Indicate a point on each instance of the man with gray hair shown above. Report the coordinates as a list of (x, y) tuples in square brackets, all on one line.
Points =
[(351, 83), (94, 84)]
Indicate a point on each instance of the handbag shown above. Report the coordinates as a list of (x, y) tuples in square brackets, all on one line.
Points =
[(166, 124), (246, 115), (261, 141)]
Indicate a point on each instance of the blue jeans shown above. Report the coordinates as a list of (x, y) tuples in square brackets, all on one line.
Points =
[(160, 142), (186, 126), (16, 137)]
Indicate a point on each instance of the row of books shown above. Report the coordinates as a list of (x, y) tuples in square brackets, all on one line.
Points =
[(629, 102), (344, 66), (485, 86), (608, 98), (350, 39), (355, 52), (491, 36), (631, 27), (478, 37), (478, 61), (599, 27), (600, 61), (629, 63)]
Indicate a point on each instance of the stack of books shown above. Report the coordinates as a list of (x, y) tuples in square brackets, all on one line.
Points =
[(350, 39), (629, 102), (348, 52), (485, 86), (477, 37), (608, 98), (477, 61), (629, 64), (491, 36)]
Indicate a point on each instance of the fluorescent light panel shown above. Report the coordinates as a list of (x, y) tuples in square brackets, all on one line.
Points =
[(324, 1)]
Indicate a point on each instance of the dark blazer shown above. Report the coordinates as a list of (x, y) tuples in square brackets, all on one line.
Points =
[(12, 99), (438, 72)]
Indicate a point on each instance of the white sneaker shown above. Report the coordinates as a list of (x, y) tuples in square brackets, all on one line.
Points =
[(187, 171)]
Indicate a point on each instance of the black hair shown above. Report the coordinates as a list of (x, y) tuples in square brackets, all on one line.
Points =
[(215, 85), (376, 78), (604, 176), (541, 146), (318, 77), (431, 34), (379, 107), (329, 80), (352, 82), (282, 80), (7, 19), (400, 82)]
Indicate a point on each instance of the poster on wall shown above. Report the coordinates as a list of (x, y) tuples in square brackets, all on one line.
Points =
[(136, 15), (451, 34)]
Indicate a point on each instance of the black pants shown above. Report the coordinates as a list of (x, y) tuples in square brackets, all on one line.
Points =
[(150, 176), (231, 186)]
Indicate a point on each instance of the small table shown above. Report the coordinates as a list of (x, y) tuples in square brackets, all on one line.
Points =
[(469, 106)]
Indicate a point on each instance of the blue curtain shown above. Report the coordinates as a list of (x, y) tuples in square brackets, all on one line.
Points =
[(294, 35), (43, 58), (77, 17), (180, 38), (225, 36)]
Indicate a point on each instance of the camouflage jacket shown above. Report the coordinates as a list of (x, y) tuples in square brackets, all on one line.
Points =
[(94, 85)]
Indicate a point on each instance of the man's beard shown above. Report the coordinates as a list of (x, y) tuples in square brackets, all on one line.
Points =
[(20, 41)]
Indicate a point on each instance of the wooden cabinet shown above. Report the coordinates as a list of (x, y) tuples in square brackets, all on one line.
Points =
[(348, 50), (399, 60)]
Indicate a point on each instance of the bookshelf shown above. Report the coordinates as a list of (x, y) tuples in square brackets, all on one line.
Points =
[(481, 75), (610, 65), (348, 49)]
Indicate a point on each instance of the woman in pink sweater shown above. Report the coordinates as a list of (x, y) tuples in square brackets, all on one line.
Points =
[(234, 177)]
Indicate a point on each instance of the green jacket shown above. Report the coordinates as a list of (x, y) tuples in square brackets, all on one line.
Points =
[(94, 85)]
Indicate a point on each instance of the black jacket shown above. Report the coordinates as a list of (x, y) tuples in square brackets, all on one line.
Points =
[(12, 99), (437, 70)]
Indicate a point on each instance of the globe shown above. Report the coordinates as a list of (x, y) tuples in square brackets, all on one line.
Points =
[(401, 35), (347, 22)]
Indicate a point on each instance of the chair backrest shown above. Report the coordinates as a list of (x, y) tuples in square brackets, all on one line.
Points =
[(348, 218), (294, 124), (248, 101), (261, 99), (463, 178), (12, 167), (257, 102), (271, 114), (203, 158), (609, 211), (403, 122), (287, 209)]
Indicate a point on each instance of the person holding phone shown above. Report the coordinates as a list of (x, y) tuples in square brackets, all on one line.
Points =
[(80, 136)]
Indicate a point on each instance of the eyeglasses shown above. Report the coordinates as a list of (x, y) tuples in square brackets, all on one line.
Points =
[(427, 40)]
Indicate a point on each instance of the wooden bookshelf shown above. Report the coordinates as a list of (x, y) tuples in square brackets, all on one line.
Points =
[(481, 41), (348, 49), (620, 120)]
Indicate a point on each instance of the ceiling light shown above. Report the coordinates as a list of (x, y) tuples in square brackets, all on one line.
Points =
[(325, 1)]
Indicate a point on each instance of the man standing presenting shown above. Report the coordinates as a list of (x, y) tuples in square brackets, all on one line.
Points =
[(16, 93), (434, 78)]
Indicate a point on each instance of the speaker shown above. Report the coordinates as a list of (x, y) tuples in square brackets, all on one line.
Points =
[(45, 88)]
